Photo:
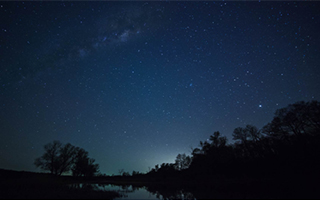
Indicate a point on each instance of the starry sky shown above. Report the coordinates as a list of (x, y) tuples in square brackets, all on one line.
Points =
[(135, 83)]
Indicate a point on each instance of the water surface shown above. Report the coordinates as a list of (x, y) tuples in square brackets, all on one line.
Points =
[(136, 192)]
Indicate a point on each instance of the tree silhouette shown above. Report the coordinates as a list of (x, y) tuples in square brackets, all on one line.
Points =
[(295, 119), (240, 134), (50, 159), (121, 171), (286, 147), (253, 133), (66, 158), (59, 159), (182, 161), (218, 140), (83, 165), (126, 174)]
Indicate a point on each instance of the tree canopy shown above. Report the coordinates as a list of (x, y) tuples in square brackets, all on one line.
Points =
[(288, 145), (59, 159)]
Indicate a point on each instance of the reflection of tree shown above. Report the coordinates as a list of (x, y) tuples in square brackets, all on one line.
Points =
[(84, 186), (135, 188), (92, 191), (169, 192), (161, 191), (182, 194), (125, 187)]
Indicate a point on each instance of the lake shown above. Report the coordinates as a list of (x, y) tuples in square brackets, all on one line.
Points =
[(129, 192), (135, 192)]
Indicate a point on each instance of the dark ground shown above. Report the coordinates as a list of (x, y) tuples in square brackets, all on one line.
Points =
[(29, 185)]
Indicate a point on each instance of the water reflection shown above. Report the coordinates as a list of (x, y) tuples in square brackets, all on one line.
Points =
[(169, 192), (178, 195), (84, 186), (137, 191)]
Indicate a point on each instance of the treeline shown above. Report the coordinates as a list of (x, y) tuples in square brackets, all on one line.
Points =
[(287, 146)]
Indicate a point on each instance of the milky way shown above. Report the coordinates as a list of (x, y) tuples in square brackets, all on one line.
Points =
[(136, 83)]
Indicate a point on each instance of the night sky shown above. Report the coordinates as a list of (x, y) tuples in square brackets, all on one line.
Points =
[(136, 83)]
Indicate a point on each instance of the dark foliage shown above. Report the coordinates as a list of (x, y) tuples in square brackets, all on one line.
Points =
[(30, 185), (288, 146), (59, 159), (83, 165)]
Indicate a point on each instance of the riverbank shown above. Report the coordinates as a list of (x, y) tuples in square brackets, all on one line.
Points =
[(29, 185)]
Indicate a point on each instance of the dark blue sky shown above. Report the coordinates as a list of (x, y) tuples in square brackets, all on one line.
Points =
[(136, 83)]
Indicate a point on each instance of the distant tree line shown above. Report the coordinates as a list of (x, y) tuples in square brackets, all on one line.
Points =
[(288, 145), (59, 159)]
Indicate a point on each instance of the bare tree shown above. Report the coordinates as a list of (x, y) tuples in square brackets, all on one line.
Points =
[(59, 159), (121, 171), (50, 159), (66, 158)]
